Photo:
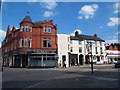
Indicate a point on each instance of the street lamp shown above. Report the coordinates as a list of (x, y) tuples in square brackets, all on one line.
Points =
[(91, 56)]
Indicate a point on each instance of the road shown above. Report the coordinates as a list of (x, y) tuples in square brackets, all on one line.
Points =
[(105, 76)]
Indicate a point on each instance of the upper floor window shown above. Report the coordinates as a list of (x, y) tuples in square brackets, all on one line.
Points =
[(25, 42), (71, 41), (101, 49), (100, 43), (45, 29), (49, 42), (68, 47), (26, 27), (30, 42), (71, 49), (12, 46), (21, 44), (80, 49), (68, 39), (22, 28), (87, 41), (30, 30), (95, 42), (44, 42), (96, 49), (80, 42), (49, 29)]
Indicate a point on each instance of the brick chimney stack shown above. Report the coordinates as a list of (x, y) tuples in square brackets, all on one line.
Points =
[(95, 35), (76, 33)]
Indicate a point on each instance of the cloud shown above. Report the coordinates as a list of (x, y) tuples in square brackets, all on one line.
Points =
[(101, 27), (2, 35), (80, 17), (88, 11), (118, 32), (113, 21), (73, 34), (116, 7), (48, 14), (49, 4), (112, 41)]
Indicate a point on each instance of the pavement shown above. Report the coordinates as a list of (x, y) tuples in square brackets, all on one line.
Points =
[(105, 76)]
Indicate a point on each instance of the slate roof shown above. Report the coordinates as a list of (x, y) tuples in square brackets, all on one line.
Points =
[(27, 19), (37, 24), (75, 38), (87, 37), (113, 45)]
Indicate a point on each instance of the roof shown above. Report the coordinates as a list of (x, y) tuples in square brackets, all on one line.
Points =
[(27, 19), (113, 45), (75, 38), (37, 24), (87, 37)]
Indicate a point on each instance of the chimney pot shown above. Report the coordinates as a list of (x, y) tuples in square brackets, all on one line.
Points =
[(95, 35), (76, 33)]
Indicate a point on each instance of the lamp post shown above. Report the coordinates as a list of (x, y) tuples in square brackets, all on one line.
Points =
[(91, 57)]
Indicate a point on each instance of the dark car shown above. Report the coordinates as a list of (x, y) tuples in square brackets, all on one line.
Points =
[(117, 65)]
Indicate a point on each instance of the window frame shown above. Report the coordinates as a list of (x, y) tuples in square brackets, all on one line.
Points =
[(45, 27), (26, 28), (48, 29), (30, 29), (44, 39), (30, 42), (50, 41), (25, 42), (23, 28)]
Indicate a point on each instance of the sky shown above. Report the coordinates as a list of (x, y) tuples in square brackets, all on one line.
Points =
[(88, 18)]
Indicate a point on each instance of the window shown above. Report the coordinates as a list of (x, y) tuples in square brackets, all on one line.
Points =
[(45, 29), (25, 42), (49, 29), (26, 28), (80, 42), (100, 43), (95, 42), (6, 49), (44, 42), (102, 57), (49, 42), (68, 47), (22, 27), (71, 49), (30, 30), (87, 41), (94, 57), (68, 39), (12, 46), (71, 41), (80, 49), (101, 49), (21, 44), (96, 49), (88, 49), (30, 42)]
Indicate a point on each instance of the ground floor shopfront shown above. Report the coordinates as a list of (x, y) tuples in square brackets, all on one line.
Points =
[(30, 60), (79, 59)]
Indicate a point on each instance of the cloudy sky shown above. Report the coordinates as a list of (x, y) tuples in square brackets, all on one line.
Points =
[(88, 18)]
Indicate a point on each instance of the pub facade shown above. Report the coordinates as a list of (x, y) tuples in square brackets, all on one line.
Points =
[(32, 45)]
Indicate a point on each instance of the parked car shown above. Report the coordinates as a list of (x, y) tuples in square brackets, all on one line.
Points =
[(117, 65)]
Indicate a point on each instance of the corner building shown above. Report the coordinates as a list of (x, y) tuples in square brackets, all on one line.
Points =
[(33, 45)]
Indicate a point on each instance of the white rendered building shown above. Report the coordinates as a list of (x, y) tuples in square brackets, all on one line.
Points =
[(76, 50)]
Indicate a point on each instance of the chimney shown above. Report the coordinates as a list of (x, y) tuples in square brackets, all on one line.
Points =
[(95, 35), (13, 28), (56, 26), (8, 30), (51, 21), (76, 33)]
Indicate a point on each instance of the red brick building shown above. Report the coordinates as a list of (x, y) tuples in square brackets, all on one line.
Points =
[(33, 45)]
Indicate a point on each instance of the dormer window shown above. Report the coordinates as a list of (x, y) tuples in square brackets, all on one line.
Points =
[(49, 29), (45, 29), (22, 28), (26, 27), (30, 30)]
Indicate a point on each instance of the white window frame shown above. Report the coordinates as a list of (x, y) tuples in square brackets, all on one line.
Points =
[(50, 41), (21, 42), (26, 27), (30, 42), (48, 29), (30, 30), (25, 42), (22, 28), (45, 27)]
